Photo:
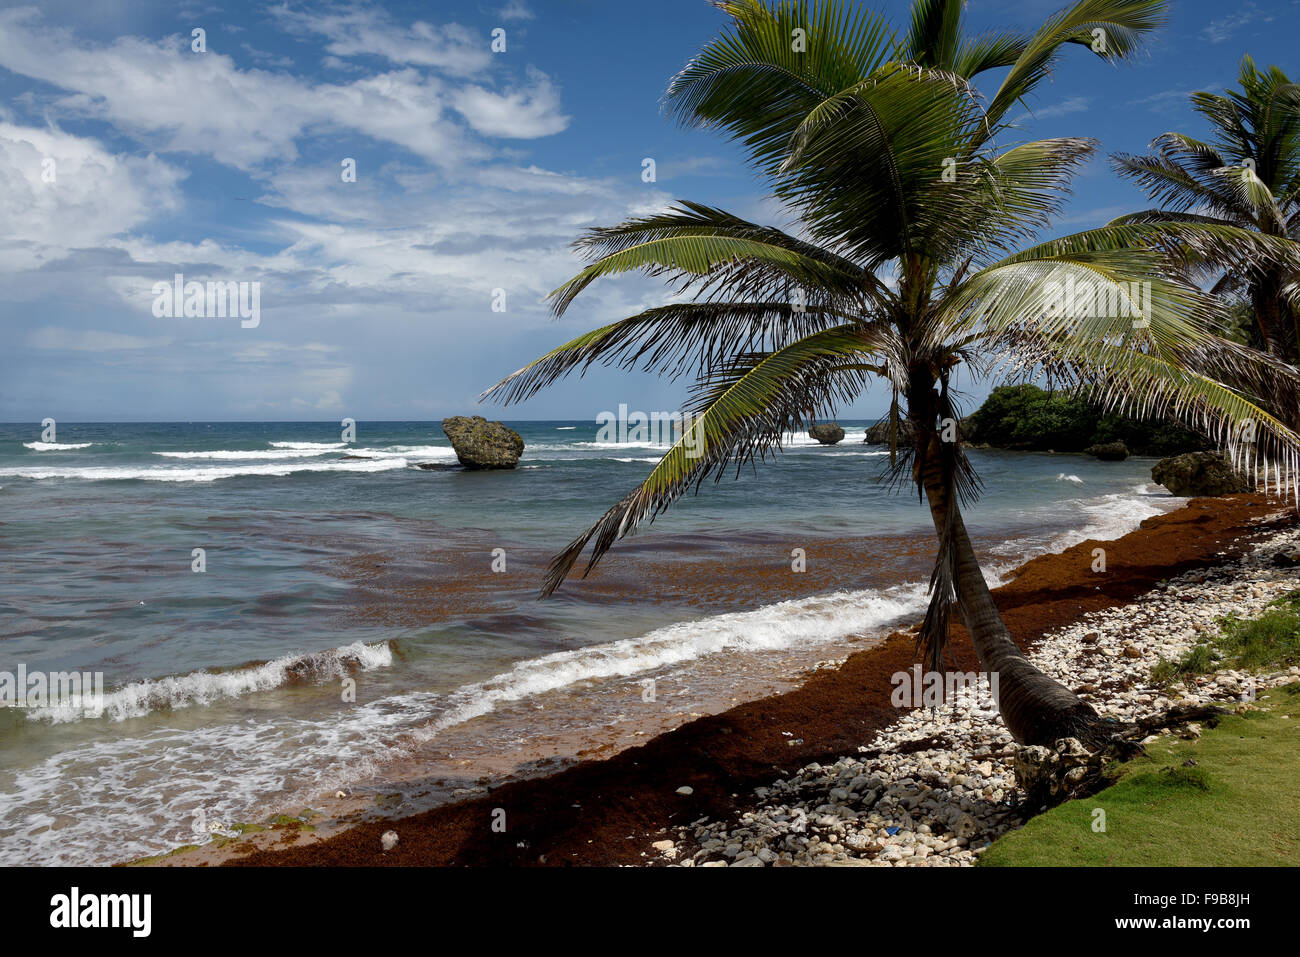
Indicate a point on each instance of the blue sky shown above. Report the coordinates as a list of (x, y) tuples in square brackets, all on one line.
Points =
[(475, 170)]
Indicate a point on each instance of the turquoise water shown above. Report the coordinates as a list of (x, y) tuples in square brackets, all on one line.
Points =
[(328, 561)]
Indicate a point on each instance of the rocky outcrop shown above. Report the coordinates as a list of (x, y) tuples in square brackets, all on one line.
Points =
[(1108, 451), (878, 434), (827, 434), (481, 444), (1199, 473)]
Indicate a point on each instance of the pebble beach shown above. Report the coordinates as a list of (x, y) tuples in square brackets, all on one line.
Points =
[(892, 805)]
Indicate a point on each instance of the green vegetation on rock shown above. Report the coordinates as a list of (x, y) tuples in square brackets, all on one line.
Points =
[(1027, 418), (285, 822)]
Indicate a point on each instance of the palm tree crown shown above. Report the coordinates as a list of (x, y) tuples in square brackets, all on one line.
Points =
[(1247, 176)]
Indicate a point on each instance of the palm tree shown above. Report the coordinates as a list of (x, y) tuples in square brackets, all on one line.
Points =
[(903, 268), (1248, 176)]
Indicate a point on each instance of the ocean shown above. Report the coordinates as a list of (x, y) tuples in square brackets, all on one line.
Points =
[(278, 614)]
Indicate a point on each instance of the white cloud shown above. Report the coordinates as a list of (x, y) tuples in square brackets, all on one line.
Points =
[(369, 32), (203, 103), (1220, 30), (402, 108), (1091, 218), (515, 10), (1166, 100), (261, 56), (517, 114), (687, 165), (534, 179), (94, 195), (509, 227), (338, 63), (408, 254), (1073, 104)]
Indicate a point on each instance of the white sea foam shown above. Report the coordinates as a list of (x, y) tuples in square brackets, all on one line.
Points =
[(309, 445), (1114, 516), (202, 688), (801, 621), (1104, 518), (225, 768), (790, 441), (799, 439), (852, 453), (229, 767), (420, 452), (416, 453), (56, 446), (204, 474), (238, 454)]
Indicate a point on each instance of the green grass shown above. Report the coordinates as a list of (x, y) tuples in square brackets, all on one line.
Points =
[(1230, 798), (1243, 644)]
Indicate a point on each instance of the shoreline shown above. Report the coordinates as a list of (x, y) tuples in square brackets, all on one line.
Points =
[(612, 810)]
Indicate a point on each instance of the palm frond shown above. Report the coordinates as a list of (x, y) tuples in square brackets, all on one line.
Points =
[(754, 83), (741, 411), (671, 340), (1176, 189), (695, 243), (1254, 194), (1122, 25), (866, 167), (1162, 359), (935, 36)]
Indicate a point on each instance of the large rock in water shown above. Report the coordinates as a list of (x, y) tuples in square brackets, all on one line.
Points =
[(1108, 451), (481, 444), (878, 434), (1199, 473), (827, 434)]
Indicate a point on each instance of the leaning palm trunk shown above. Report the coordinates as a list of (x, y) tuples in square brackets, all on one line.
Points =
[(1035, 708)]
